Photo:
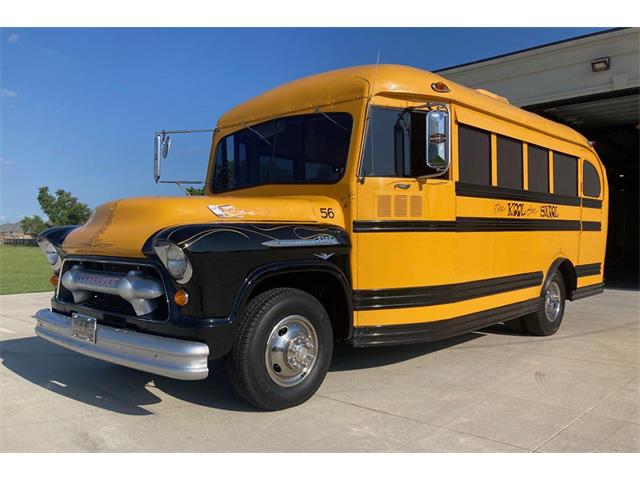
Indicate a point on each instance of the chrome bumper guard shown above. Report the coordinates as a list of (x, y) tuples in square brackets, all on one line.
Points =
[(169, 357), (139, 290)]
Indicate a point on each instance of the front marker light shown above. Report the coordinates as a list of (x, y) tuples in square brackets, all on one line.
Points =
[(53, 257), (175, 261)]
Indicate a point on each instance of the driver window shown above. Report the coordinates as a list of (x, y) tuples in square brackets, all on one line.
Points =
[(396, 144)]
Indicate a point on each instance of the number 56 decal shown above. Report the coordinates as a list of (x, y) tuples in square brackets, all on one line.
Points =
[(327, 213)]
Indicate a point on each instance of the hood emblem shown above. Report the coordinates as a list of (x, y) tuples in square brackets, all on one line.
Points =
[(324, 256), (224, 211)]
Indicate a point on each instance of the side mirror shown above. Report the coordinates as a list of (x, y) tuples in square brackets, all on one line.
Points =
[(437, 140), (157, 146), (166, 144), (162, 143)]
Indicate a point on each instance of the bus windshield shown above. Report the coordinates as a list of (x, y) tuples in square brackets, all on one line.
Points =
[(300, 149)]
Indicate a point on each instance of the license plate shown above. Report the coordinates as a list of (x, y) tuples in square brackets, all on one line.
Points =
[(83, 327)]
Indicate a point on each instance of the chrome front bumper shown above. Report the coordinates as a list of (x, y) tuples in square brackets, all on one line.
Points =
[(169, 357)]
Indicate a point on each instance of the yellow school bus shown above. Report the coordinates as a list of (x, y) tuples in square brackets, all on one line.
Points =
[(375, 205)]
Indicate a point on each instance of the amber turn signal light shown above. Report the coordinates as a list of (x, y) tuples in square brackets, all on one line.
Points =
[(181, 298), (53, 280), (440, 87)]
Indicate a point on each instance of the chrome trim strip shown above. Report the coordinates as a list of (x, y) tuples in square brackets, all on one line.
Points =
[(169, 357)]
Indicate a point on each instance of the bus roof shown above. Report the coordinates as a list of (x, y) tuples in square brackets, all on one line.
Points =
[(360, 82)]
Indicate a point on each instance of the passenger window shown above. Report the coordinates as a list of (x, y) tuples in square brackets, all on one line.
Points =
[(509, 162), (565, 174), (474, 155), (538, 169), (590, 180), (396, 144)]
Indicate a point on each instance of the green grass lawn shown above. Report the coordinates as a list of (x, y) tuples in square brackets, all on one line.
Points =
[(23, 270)]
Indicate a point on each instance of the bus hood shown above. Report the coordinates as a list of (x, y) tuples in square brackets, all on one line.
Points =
[(121, 228)]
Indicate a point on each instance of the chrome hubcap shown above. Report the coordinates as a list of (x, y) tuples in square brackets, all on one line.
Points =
[(552, 302), (292, 350)]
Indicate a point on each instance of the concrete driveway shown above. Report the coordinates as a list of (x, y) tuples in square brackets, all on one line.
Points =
[(488, 391)]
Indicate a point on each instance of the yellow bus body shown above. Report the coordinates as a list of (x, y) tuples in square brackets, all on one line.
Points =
[(463, 240)]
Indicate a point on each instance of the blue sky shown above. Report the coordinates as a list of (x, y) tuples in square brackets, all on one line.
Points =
[(79, 106)]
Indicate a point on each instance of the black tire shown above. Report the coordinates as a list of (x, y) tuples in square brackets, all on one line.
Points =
[(541, 322), (247, 362)]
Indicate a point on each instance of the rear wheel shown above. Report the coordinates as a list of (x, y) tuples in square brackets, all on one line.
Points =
[(282, 350), (547, 319)]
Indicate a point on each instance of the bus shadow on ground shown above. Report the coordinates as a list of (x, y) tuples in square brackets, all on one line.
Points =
[(127, 391)]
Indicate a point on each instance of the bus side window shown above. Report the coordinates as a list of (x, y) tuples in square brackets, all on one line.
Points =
[(509, 162), (474, 155), (538, 161), (590, 180), (565, 174)]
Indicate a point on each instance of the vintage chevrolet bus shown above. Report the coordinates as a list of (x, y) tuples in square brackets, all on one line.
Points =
[(376, 205)]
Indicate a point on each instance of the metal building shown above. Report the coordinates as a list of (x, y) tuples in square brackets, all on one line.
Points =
[(591, 83)]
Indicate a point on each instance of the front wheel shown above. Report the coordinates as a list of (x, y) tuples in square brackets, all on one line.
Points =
[(547, 319), (282, 350)]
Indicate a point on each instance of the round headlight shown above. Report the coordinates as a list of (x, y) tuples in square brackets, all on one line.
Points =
[(50, 252), (176, 261)]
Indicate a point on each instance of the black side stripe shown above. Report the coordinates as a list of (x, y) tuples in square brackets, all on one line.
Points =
[(423, 296), (403, 226), (478, 224), (591, 203), (437, 330), (587, 291), (473, 224), (487, 191), (591, 226), (588, 269)]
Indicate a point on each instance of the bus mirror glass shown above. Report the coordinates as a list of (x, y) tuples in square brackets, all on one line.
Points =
[(437, 126)]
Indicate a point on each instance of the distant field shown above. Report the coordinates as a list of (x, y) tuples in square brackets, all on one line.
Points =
[(23, 270)]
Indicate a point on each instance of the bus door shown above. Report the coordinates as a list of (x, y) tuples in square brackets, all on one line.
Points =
[(405, 218)]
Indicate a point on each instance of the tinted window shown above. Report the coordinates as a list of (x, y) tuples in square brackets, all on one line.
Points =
[(590, 180), (538, 170), (565, 174), (509, 163), (474, 155), (395, 145), (298, 149), (384, 152)]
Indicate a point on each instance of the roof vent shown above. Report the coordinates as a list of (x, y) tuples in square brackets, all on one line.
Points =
[(492, 95)]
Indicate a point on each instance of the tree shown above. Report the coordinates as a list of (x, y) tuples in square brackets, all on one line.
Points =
[(33, 225), (195, 190), (61, 209)]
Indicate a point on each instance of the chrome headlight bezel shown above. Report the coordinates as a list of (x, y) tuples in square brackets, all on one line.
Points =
[(54, 258), (175, 261)]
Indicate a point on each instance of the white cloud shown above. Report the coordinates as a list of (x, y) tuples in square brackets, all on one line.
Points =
[(5, 92), (8, 162), (13, 38)]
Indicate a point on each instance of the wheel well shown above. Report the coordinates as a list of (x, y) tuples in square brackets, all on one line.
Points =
[(568, 272), (324, 286)]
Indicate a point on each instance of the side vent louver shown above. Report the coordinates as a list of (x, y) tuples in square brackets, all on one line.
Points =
[(384, 205), (401, 206), (416, 206)]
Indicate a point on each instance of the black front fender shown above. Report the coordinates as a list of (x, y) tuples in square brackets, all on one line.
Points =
[(228, 258)]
